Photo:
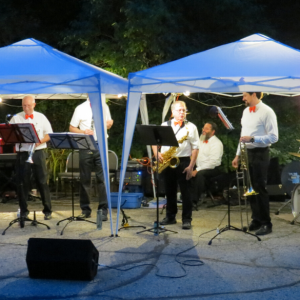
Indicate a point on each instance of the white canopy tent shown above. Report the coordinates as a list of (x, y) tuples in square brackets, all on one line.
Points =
[(32, 67), (252, 64)]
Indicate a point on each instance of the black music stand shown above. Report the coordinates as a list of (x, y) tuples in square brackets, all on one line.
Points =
[(23, 133), (72, 141), (157, 136), (228, 126)]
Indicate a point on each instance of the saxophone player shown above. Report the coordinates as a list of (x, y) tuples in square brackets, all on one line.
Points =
[(259, 131), (187, 152)]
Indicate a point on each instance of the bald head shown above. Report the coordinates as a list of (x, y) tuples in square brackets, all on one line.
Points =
[(28, 104)]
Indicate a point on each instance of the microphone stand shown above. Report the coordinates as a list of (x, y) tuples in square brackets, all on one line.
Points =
[(230, 128)]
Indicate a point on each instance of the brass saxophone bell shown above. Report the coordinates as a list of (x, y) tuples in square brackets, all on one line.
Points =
[(174, 162)]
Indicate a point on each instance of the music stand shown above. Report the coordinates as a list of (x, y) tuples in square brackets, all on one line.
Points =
[(157, 136), (23, 133), (229, 128), (72, 141)]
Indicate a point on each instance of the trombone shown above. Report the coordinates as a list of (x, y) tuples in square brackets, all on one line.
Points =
[(244, 174)]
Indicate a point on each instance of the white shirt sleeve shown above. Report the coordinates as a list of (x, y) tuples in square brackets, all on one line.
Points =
[(107, 113), (75, 121), (194, 140), (271, 128)]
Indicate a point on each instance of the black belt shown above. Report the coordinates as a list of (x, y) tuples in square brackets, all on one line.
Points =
[(258, 149), (184, 157), (30, 150)]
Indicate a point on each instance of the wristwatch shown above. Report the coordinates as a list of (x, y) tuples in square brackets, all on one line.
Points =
[(252, 139)]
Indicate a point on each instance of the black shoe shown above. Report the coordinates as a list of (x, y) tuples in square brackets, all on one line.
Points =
[(186, 225), (168, 221), (264, 229), (254, 225), (104, 217), (25, 215), (47, 216), (84, 216)]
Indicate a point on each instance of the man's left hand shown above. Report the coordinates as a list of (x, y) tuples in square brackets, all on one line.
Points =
[(246, 139), (189, 172)]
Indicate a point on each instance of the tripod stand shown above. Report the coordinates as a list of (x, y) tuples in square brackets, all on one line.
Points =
[(125, 224), (158, 136), (17, 134), (228, 126), (72, 141)]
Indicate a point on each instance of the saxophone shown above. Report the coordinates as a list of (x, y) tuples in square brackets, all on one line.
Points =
[(169, 158)]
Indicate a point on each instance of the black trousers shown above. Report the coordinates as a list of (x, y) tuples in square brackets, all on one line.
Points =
[(199, 182), (258, 165), (172, 178), (90, 161), (39, 170)]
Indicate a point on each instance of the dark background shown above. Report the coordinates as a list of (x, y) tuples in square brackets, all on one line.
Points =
[(126, 36)]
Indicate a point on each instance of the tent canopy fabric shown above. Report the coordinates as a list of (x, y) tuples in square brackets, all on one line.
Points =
[(254, 63), (51, 71), (32, 67)]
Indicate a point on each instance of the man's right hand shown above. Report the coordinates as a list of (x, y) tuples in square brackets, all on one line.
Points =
[(89, 132), (160, 157), (235, 162)]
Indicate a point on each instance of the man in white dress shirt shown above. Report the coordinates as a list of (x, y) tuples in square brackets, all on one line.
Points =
[(208, 160), (259, 131), (89, 160), (187, 153), (43, 128)]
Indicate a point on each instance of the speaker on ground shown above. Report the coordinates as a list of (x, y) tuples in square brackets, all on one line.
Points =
[(62, 259)]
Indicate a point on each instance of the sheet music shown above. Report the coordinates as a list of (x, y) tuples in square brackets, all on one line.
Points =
[(67, 140)]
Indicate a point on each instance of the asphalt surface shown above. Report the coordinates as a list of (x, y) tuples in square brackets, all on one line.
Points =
[(169, 266)]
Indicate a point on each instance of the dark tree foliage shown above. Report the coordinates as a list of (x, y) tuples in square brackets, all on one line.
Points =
[(43, 20), (125, 36)]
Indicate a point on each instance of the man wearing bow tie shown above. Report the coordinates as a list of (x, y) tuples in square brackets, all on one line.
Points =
[(259, 131), (187, 153), (208, 160), (43, 128)]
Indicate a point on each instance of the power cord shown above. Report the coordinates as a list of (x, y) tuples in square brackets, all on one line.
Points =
[(188, 262)]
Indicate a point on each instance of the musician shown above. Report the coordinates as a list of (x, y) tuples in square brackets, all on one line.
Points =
[(259, 131), (187, 153), (82, 122), (208, 160), (39, 169)]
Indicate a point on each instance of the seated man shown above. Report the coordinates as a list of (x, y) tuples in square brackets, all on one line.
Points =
[(208, 160)]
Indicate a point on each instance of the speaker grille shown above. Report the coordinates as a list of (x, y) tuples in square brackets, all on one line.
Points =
[(62, 259)]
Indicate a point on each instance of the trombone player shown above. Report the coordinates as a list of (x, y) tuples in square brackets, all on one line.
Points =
[(259, 131), (38, 165)]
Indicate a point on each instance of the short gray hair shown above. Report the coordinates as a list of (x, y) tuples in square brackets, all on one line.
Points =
[(177, 103)]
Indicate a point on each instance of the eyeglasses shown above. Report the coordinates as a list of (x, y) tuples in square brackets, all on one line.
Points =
[(181, 110)]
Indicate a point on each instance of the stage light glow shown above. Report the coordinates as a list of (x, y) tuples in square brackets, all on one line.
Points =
[(0, 100), (120, 95), (186, 93)]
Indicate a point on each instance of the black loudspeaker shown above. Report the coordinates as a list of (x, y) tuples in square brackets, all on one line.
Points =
[(62, 259)]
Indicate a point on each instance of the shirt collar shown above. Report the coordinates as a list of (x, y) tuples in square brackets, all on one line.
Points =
[(257, 106)]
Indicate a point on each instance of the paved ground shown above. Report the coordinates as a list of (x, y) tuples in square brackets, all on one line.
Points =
[(235, 266)]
